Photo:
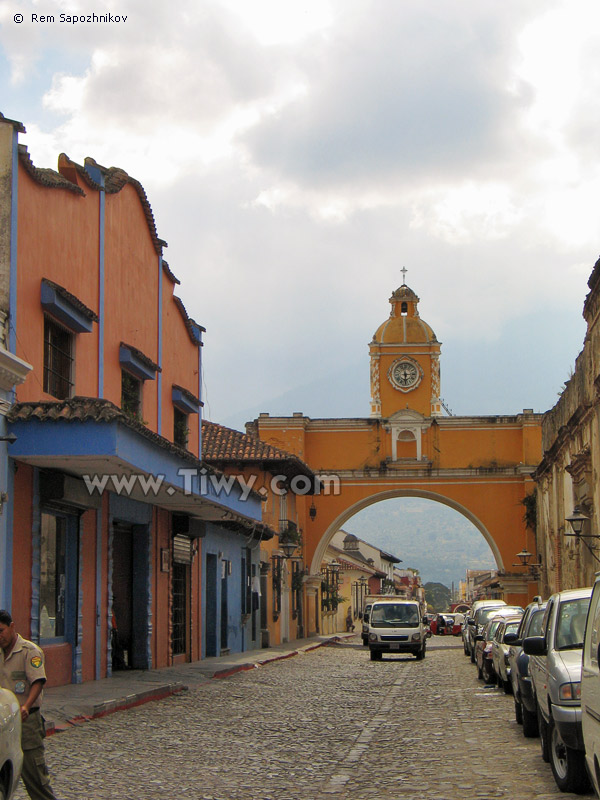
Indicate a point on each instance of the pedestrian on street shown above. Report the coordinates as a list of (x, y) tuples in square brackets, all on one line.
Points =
[(22, 671), (349, 622)]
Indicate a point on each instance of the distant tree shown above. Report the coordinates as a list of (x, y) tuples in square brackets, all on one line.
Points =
[(437, 596)]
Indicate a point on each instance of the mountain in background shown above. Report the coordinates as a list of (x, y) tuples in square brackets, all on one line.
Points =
[(426, 535), (438, 596)]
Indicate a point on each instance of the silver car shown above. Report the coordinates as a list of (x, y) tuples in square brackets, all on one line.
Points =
[(555, 669), (11, 756)]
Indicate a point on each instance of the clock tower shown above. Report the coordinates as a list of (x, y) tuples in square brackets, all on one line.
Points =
[(405, 361)]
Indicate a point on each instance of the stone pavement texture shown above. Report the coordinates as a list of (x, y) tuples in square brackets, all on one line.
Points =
[(65, 706), (328, 724)]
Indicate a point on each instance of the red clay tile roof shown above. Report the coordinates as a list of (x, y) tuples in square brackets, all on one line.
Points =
[(74, 301), (221, 444), (168, 273), (46, 177), (82, 409), (189, 322), (114, 180), (96, 409), (186, 393), (142, 357), (18, 126)]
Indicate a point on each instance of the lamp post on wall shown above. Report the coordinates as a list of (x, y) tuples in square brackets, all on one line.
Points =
[(524, 558), (577, 522)]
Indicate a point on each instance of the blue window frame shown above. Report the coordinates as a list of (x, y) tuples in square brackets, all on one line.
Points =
[(58, 578)]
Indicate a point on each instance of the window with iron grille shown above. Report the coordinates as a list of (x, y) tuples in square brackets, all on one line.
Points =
[(276, 575), (131, 393), (58, 360), (181, 431), (178, 608), (296, 587)]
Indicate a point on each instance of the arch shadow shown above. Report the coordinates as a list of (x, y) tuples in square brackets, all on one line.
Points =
[(342, 518)]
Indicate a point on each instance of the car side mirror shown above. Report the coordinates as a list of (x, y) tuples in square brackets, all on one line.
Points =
[(479, 638), (366, 618), (470, 621), (534, 646), (510, 638)]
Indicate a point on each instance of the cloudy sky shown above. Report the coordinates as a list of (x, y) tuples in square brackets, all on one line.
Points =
[(298, 154)]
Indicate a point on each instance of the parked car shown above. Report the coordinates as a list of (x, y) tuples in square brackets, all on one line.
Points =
[(484, 614), (518, 660), (590, 688), (396, 626), (507, 627), (555, 668), (471, 624), (483, 651), (11, 756)]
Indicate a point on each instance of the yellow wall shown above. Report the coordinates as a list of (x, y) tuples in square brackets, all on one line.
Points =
[(480, 466)]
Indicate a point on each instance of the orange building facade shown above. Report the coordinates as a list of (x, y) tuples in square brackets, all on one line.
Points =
[(116, 536), (480, 466)]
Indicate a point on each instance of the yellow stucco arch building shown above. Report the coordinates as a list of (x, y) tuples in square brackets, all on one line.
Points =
[(408, 446)]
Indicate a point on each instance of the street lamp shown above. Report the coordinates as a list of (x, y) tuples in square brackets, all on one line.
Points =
[(524, 557), (289, 548), (577, 522)]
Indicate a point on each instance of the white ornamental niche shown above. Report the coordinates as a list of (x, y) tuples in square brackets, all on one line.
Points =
[(406, 428)]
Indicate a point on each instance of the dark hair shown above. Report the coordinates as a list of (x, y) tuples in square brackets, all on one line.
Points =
[(5, 617)]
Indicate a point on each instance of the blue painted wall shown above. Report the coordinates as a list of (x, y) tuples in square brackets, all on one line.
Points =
[(228, 546)]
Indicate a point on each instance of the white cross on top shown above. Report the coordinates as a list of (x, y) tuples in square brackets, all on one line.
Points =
[(404, 271)]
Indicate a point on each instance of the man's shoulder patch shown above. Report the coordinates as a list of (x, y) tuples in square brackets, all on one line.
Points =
[(36, 662)]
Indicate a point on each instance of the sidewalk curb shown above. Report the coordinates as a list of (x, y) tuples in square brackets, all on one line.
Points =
[(111, 706)]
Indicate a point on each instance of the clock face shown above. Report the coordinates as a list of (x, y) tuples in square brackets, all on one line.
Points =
[(405, 375)]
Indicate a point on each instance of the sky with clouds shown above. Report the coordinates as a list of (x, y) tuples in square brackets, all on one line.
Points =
[(298, 154)]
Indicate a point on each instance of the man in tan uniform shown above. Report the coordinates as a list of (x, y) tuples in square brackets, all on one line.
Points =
[(22, 671)]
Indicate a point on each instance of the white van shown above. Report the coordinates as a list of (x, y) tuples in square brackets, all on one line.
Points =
[(590, 688), (396, 626)]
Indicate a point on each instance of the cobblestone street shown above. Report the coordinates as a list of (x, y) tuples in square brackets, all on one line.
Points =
[(326, 724)]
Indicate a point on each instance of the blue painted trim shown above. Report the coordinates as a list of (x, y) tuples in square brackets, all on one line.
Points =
[(149, 623), (160, 342), (133, 363), (118, 443), (12, 338), (109, 605), (36, 537), (101, 278), (201, 403), (131, 511), (197, 331), (74, 620), (98, 666), (183, 402), (64, 311), (7, 533)]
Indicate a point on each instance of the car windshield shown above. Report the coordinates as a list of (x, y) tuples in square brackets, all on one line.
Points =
[(394, 615), (491, 629), (570, 629)]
